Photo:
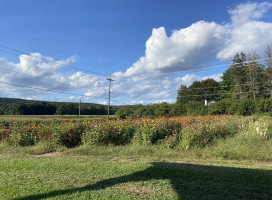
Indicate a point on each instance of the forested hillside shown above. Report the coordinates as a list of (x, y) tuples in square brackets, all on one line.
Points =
[(12, 106)]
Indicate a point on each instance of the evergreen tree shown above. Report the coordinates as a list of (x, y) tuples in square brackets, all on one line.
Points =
[(233, 83)]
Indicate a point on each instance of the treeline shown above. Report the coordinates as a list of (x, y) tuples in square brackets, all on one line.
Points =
[(247, 106), (245, 89), (24, 107)]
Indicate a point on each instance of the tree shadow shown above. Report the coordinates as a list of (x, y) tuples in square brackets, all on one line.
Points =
[(190, 181)]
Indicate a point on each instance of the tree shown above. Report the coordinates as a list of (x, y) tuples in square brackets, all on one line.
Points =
[(207, 90), (268, 63), (255, 76), (199, 91), (162, 109), (177, 109), (124, 112), (233, 83), (183, 94), (67, 109)]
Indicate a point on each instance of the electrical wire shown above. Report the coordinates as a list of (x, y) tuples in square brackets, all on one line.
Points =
[(233, 65), (42, 89)]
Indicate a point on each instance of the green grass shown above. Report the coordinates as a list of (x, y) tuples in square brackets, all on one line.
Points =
[(83, 177), (242, 147), (238, 167), (138, 171)]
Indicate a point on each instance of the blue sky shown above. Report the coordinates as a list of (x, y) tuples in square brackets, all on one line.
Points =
[(144, 44)]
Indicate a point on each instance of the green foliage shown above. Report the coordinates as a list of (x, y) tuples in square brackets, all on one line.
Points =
[(172, 141), (177, 109), (112, 132), (220, 107), (124, 112), (198, 91), (261, 127), (25, 107), (152, 131), (187, 131), (68, 134), (25, 133), (207, 129), (194, 108)]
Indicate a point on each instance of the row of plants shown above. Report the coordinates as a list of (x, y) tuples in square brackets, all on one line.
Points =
[(184, 132)]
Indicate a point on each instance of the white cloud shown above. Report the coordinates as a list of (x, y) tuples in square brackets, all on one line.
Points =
[(202, 42), (37, 65), (190, 78), (185, 49), (37, 71), (246, 34), (248, 12)]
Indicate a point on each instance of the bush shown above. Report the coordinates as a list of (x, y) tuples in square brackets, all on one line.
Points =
[(262, 127), (150, 132), (219, 108), (204, 132), (66, 133), (112, 132), (195, 108), (187, 132)]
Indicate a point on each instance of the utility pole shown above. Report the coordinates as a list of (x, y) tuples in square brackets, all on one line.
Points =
[(110, 80), (79, 109)]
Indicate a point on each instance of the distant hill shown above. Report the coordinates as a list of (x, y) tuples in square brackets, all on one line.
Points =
[(17, 106), (13, 100)]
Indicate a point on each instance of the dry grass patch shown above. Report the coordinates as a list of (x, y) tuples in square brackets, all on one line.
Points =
[(51, 154), (142, 191)]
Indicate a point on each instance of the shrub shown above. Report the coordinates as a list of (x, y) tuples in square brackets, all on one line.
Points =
[(68, 134), (150, 132), (112, 132), (262, 127), (205, 131), (29, 133)]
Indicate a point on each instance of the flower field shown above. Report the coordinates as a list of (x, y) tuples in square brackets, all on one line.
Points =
[(178, 132)]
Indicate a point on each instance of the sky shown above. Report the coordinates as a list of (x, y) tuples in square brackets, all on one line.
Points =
[(65, 50)]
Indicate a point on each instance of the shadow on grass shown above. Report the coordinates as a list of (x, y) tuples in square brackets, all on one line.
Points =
[(191, 182)]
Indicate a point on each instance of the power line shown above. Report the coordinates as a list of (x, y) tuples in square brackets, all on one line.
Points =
[(43, 89), (233, 65), (164, 98)]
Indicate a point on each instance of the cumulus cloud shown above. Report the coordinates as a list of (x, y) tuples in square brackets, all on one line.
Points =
[(247, 12), (202, 42), (37, 65), (190, 78), (185, 49), (194, 48), (245, 33), (35, 71)]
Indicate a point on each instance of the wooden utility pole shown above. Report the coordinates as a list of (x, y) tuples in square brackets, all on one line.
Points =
[(110, 80)]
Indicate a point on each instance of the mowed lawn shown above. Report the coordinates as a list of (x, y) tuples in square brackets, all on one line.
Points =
[(131, 176)]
